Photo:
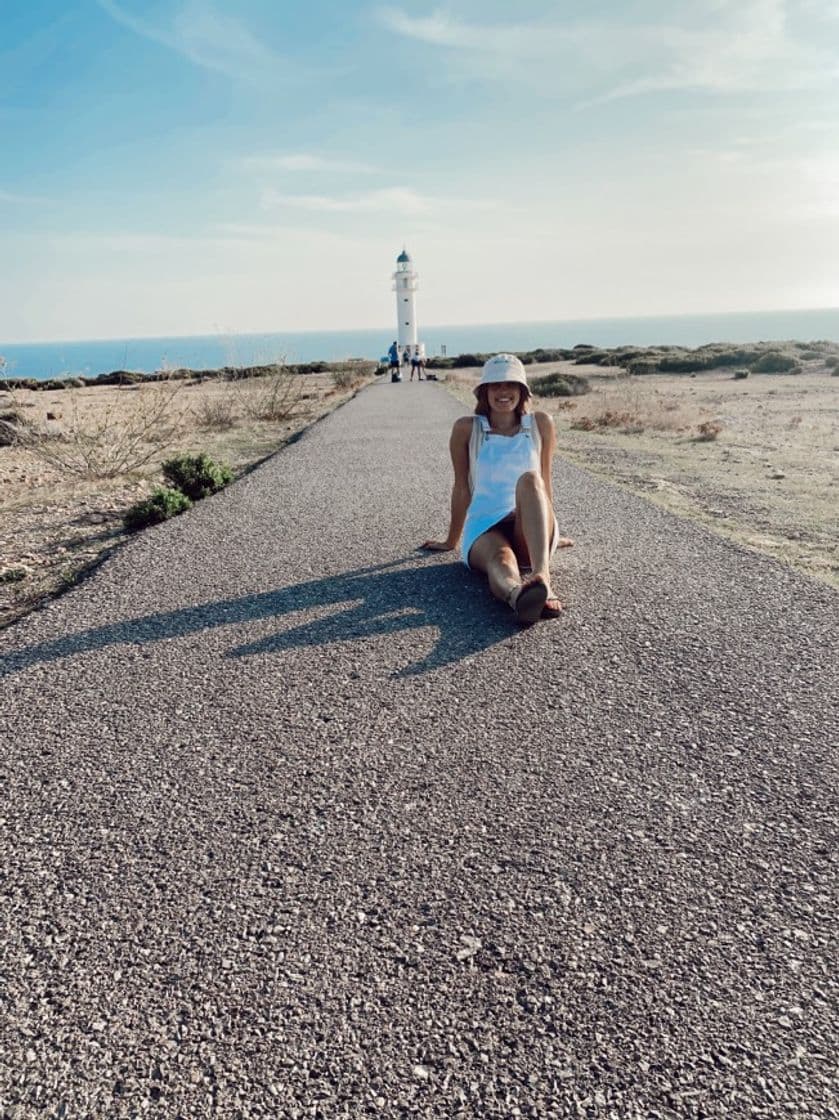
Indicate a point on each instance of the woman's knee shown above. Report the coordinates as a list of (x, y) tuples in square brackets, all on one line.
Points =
[(529, 483), (496, 556)]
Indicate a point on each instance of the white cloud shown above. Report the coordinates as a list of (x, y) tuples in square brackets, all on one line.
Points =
[(719, 46), (209, 39), (400, 200), (308, 161), (748, 47), (15, 199), (510, 40)]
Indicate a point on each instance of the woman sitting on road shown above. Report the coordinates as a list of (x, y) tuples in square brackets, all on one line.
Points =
[(502, 498)]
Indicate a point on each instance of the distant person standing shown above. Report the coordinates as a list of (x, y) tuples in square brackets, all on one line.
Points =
[(393, 355), (406, 357), (416, 365)]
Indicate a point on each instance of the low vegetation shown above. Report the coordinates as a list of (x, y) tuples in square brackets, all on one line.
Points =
[(121, 438), (559, 385), (190, 478), (74, 463), (762, 357), (196, 476), (161, 504)]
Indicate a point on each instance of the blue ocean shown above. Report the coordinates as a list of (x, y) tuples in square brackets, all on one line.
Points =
[(146, 355)]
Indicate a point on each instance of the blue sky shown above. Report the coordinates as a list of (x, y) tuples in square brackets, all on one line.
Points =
[(181, 166)]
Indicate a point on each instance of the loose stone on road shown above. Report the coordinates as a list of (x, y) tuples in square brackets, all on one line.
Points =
[(298, 823)]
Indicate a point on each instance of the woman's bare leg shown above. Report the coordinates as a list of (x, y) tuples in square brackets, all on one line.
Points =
[(493, 554), (534, 522), (533, 529)]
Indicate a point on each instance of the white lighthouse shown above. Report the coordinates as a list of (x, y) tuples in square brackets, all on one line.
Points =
[(405, 285)]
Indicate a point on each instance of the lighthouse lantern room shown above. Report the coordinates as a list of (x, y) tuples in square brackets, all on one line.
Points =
[(405, 285)]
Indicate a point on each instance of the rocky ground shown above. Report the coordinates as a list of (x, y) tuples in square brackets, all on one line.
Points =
[(57, 519)]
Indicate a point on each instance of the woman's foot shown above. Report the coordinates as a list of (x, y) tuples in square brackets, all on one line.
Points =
[(552, 608), (529, 599)]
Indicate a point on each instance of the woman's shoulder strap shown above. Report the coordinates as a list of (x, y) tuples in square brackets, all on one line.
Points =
[(479, 429)]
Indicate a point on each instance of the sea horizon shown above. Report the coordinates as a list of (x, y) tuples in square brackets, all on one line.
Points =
[(91, 357)]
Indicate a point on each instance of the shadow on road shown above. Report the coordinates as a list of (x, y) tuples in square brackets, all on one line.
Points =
[(379, 600)]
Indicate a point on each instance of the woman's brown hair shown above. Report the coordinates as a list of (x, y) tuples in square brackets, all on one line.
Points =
[(482, 407)]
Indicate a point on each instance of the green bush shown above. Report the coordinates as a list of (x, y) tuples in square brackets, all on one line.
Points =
[(832, 362), (160, 506), (686, 363), (13, 575), (735, 357), (60, 383), (542, 355), (642, 366), (310, 367), (593, 358), (119, 377), (12, 383), (559, 385), (740, 374), (773, 361), (816, 348), (469, 360), (197, 476)]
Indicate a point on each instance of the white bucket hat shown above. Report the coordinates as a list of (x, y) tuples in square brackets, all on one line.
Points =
[(503, 367)]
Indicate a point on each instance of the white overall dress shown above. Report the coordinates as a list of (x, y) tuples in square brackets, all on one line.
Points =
[(496, 463)]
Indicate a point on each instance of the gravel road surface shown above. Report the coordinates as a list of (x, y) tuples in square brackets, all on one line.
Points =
[(296, 823)]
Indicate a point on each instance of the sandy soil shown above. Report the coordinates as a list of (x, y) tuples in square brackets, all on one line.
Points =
[(770, 478), (55, 522)]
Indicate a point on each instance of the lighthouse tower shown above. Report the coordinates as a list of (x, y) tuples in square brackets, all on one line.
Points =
[(405, 285)]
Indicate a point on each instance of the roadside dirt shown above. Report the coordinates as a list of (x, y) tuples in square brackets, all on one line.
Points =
[(55, 524)]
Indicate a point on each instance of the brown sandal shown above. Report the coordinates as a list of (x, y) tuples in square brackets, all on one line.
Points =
[(530, 601), (549, 611)]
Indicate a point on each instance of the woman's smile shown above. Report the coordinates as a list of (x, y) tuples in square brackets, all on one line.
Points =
[(503, 396)]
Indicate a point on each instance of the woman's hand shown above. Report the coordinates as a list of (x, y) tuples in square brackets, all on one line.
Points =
[(437, 546)]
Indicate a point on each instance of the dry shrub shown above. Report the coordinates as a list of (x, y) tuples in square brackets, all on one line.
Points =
[(350, 375), (217, 413), (12, 424), (633, 406), (626, 421), (708, 430), (129, 433), (272, 398)]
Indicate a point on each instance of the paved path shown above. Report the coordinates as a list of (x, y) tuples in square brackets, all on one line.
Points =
[(295, 823)]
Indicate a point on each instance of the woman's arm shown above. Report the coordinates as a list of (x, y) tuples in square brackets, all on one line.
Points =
[(461, 496), (548, 433)]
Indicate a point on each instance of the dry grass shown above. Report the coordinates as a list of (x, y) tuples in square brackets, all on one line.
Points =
[(119, 439), (65, 482), (708, 431), (756, 460), (633, 406), (272, 398)]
